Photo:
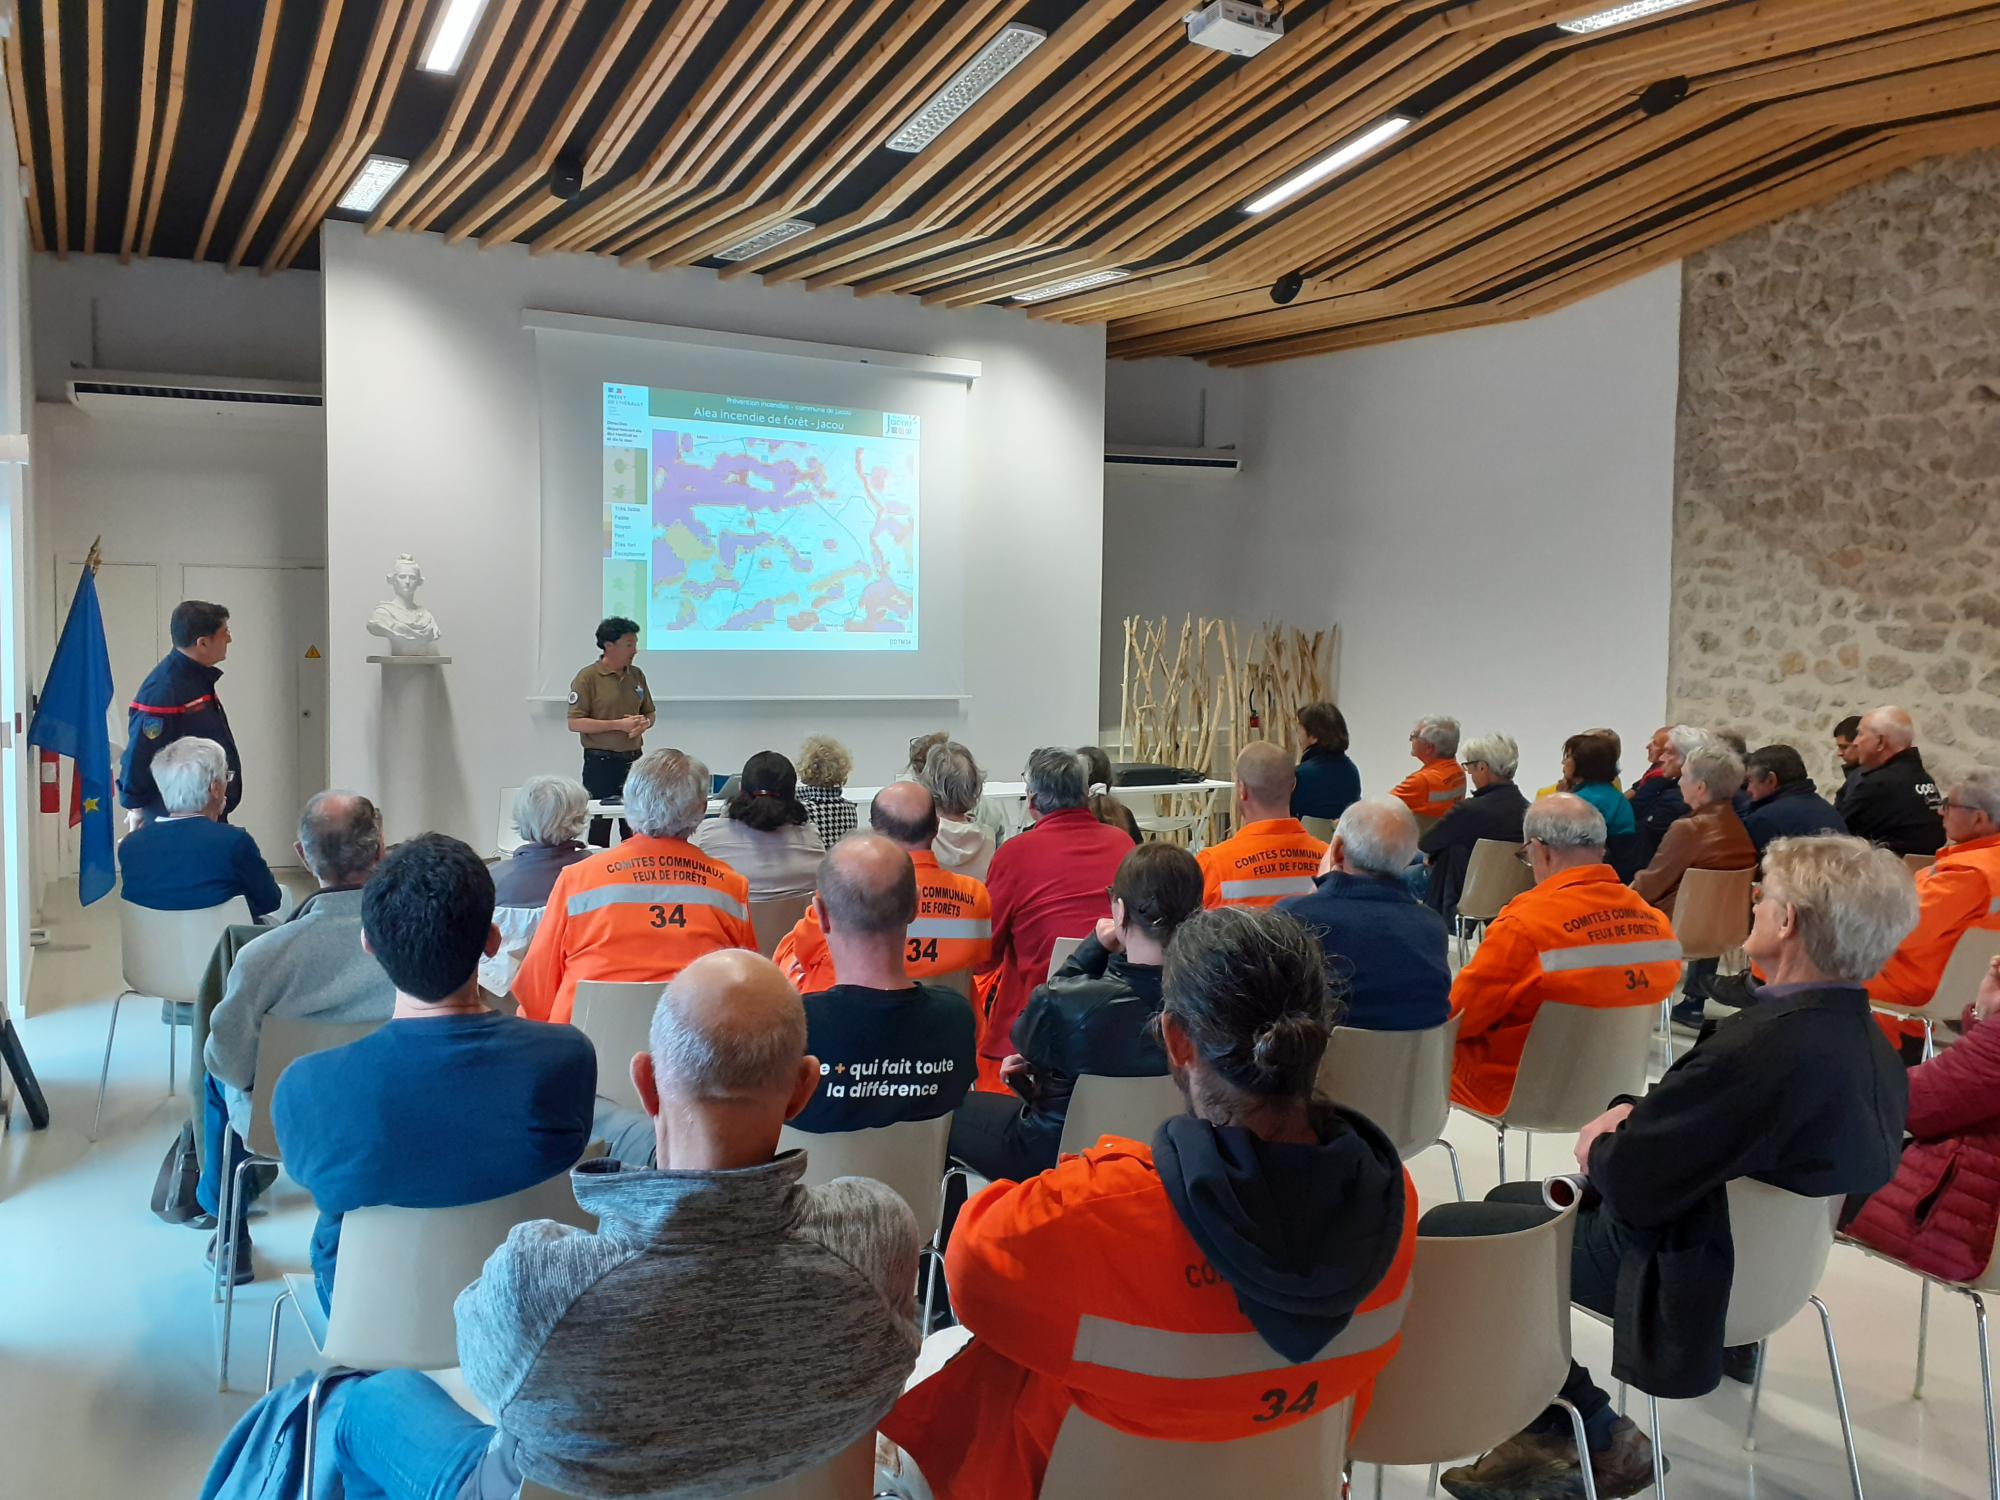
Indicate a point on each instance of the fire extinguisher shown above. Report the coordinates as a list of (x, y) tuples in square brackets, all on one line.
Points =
[(51, 789)]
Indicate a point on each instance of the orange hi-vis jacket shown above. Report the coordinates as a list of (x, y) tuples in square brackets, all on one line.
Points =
[(1084, 1288), (1432, 791), (953, 931), (1581, 937), (1263, 863), (1959, 892), (642, 911)]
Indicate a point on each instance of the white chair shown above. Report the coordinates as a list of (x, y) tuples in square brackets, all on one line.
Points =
[(1975, 949), (617, 1016), (507, 838), (1093, 1460), (165, 953), (1128, 1107), (773, 919), (1576, 1060), (1399, 1079), (1494, 875), (1060, 952)]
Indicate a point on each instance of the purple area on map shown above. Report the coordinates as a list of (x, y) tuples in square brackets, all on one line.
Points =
[(733, 544), (760, 613)]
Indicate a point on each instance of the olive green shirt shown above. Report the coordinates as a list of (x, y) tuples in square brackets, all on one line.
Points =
[(598, 693)]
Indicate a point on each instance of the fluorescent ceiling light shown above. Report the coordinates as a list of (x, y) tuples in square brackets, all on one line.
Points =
[(989, 65), (1073, 284), (1352, 149), (1618, 15), (377, 175), (449, 36), (764, 239)]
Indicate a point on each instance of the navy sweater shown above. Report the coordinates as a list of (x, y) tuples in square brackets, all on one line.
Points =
[(192, 863), (1385, 951)]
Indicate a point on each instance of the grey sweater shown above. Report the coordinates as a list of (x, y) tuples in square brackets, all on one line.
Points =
[(312, 968), (719, 1332)]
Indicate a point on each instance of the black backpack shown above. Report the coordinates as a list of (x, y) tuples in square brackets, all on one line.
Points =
[(173, 1191)]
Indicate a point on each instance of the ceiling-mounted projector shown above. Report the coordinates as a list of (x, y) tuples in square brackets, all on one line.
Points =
[(1230, 26)]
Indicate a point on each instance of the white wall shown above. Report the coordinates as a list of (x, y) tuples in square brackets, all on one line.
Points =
[(19, 872), (433, 449)]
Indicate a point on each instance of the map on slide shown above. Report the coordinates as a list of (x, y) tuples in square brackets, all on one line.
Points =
[(736, 523)]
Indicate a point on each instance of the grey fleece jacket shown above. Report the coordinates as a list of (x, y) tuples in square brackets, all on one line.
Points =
[(719, 1332)]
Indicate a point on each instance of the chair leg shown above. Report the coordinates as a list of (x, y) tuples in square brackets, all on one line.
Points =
[(1528, 1156), (1667, 1030), (225, 1255), (1930, 1041), (325, 1378), (1621, 1398), (1503, 1151), (104, 1076), (1659, 1447), (173, 1058), (1923, 1339), (1432, 1489), (271, 1353), (1986, 1388), (1756, 1396), (1378, 1482), (1840, 1395), (1582, 1448), (1457, 1178)]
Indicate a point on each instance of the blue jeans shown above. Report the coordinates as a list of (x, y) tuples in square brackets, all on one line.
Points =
[(215, 1131), (401, 1438)]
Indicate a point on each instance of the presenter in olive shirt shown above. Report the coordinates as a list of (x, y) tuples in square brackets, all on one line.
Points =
[(611, 709)]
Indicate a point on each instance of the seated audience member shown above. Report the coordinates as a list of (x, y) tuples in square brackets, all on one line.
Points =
[(1385, 950), (1783, 801), (1844, 735), (1327, 779), (824, 766), (1493, 811), (921, 747), (1095, 1016), (602, 1354), (1957, 893), (1047, 882), (1656, 797), (186, 859), (1710, 837), (1271, 855), (312, 968), (1801, 1092), (1893, 802), (953, 928), (645, 909), (549, 812), (1578, 938), (1105, 807), (1939, 1212), (1590, 769), (1300, 1208), (1438, 783), (449, 1102), (963, 845), (1740, 799), (765, 834)]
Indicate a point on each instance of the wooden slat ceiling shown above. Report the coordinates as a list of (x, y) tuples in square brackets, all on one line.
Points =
[(1541, 165)]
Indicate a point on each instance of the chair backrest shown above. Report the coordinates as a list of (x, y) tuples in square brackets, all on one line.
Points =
[(846, 1476), (1059, 954), (957, 980), (165, 952), (506, 838), (1919, 861), (908, 1156), (1319, 828), (773, 919), (1399, 1079), (617, 1016), (1959, 983), (1493, 877), (1131, 1107), (281, 1041), (1426, 822), (402, 1268), (1712, 911), (1781, 1244), (1577, 1058), (1093, 1460), (1504, 1295)]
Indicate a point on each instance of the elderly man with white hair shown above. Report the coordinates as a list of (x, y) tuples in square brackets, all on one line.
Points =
[(1385, 950), (1656, 797), (549, 814), (186, 858), (1437, 784), (1711, 836), (1959, 892), (1894, 802), (1493, 811)]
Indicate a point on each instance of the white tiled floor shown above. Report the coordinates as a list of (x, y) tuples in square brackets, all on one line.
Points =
[(107, 1336)]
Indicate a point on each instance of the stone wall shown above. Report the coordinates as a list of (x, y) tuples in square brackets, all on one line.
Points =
[(1837, 520)]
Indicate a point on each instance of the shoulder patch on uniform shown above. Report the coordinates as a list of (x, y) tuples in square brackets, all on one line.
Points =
[(151, 727), (572, 695)]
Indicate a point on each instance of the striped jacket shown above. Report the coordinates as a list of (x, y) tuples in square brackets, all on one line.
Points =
[(953, 931), (643, 910), (1261, 865)]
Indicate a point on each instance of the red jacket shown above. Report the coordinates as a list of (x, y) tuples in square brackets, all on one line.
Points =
[(1046, 883), (1941, 1209)]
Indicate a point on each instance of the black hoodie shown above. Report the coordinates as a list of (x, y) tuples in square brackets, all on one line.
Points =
[(1302, 1233)]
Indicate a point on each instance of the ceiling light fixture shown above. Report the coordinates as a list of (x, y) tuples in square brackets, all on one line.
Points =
[(377, 175), (1073, 284), (764, 239), (1350, 150), (989, 65), (449, 36), (1618, 15)]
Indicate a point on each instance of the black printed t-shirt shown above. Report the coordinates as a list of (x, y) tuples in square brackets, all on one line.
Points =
[(886, 1056)]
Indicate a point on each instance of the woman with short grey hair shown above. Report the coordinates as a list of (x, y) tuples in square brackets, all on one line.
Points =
[(963, 845), (824, 766), (1711, 836), (549, 813), (1492, 810)]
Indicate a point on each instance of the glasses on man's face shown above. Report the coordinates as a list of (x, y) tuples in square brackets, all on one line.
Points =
[(1523, 855), (1949, 806)]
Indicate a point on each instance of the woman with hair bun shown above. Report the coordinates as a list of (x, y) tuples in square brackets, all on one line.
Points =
[(765, 834), (1264, 1237)]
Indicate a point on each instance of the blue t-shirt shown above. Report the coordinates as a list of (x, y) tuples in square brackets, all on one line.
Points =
[(193, 863), (886, 1056), (432, 1113)]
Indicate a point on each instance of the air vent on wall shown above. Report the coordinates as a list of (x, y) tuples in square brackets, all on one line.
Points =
[(1189, 462), (201, 400)]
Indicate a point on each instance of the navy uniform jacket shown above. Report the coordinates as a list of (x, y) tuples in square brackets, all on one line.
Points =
[(176, 700)]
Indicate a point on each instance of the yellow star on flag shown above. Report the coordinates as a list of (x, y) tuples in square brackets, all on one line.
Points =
[(90, 804)]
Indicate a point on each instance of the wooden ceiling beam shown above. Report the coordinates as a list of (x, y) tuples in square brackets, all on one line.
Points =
[(170, 121), (246, 122), (52, 95), (142, 135), (24, 140), (295, 135), (93, 118), (473, 72)]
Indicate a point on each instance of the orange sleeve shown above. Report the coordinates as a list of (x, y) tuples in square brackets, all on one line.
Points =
[(1950, 898), (1211, 876), (1495, 979), (540, 978), (1413, 792)]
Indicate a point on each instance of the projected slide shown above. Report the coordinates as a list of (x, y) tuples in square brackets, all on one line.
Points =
[(734, 523)]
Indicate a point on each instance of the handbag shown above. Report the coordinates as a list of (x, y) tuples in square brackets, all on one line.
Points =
[(174, 1189)]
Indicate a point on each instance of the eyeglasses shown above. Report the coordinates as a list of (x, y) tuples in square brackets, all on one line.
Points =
[(1522, 854), (1950, 806)]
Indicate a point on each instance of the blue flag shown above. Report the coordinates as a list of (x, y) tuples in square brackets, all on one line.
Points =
[(70, 721)]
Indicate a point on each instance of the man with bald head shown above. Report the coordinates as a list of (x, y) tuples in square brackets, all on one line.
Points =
[(953, 929), (1272, 856), (1894, 802), (889, 1049), (621, 1361)]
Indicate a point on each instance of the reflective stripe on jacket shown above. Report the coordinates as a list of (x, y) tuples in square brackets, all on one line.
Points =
[(1262, 864), (1579, 938), (1431, 791), (953, 931), (1959, 892), (642, 911)]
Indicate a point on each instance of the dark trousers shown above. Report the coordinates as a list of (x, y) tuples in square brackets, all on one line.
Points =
[(990, 1136), (214, 1161), (1595, 1252), (604, 773)]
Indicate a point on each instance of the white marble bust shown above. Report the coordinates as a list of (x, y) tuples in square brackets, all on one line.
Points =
[(410, 629)]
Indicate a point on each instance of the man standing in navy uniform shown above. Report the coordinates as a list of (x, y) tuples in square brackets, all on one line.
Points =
[(178, 699)]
